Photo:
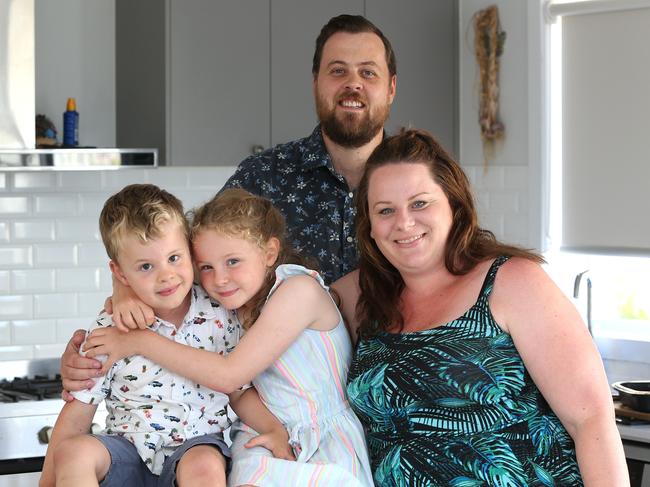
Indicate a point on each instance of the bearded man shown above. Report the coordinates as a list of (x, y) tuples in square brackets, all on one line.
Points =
[(313, 180)]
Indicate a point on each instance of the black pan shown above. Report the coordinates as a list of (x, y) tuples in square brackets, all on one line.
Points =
[(634, 394)]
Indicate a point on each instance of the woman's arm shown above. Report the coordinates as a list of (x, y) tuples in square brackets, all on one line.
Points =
[(298, 303), (563, 361)]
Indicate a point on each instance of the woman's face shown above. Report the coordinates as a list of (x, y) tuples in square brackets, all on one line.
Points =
[(410, 216)]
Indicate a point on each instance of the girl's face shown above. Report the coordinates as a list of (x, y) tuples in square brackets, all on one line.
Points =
[(410, 216), (232, 270)]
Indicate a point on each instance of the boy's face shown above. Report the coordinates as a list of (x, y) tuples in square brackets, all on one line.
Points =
[(159, 271)]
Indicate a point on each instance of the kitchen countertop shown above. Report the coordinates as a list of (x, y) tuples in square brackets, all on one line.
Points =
[(636, 432)]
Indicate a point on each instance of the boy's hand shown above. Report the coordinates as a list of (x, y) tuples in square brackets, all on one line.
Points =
[(111, 345), (128, 312), (77, 372), (276, 441)]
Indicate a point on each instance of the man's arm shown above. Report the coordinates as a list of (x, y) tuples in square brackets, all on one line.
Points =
[(74, 419), (77, 372), (252, 411)]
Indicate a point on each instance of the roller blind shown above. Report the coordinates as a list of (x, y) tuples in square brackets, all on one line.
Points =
[(606, 131)]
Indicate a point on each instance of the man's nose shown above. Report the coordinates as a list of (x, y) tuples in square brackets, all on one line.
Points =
[(354, 82)]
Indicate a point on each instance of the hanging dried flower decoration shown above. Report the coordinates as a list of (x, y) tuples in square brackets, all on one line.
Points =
[(488, 46)]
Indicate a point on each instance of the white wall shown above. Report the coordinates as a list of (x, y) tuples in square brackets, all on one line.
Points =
[(75, 57), (508, 188), (54, 273)]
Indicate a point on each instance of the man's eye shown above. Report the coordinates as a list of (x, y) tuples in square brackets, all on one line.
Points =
[(368, 74)]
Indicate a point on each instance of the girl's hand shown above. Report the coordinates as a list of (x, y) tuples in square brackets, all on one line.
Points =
[(127, 310), (276, 441), (111, 345)]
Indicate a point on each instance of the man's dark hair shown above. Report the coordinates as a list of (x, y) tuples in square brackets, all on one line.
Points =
[(352, 24)]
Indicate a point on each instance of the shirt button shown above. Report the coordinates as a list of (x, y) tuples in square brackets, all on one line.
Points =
[(350, 239), (351, 194)]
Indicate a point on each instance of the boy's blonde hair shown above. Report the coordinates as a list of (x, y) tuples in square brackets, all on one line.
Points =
[(237, 213), (138, 210)]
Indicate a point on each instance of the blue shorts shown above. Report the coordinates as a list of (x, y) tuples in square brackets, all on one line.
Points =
[(128, 470)]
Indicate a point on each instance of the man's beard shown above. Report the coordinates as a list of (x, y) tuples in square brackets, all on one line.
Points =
[(353, 130)]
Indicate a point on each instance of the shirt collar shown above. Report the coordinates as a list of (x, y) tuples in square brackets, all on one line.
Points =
[(200, 306)]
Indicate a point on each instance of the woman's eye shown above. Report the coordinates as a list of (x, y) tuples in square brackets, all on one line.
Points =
[(146, 267), (419, 204), (385, 211)]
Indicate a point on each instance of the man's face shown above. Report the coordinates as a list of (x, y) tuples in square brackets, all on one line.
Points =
[(353, 89)]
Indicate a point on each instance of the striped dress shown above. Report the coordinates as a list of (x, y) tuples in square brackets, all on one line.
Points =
[(305, 389)]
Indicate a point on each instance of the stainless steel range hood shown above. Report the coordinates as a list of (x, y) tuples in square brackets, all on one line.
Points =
[(18, 106)]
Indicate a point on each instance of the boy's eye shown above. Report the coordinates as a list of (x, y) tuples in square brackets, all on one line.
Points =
[(232, 261), (146, 267), (174, 258)]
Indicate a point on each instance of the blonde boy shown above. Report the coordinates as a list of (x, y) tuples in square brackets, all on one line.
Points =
[(161, 429)]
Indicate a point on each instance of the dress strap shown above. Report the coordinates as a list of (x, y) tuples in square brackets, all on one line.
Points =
[(488, 283)]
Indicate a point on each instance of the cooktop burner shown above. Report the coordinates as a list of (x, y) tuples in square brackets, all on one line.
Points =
[(34, 388)]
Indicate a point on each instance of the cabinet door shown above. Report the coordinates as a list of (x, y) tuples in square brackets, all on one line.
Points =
[(423, 35), (218, 72), (295, 24)]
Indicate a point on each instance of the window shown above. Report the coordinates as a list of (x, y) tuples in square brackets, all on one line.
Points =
[(599, 205)]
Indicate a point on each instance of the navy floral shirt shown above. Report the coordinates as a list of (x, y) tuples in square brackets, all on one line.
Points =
[(300, 180)]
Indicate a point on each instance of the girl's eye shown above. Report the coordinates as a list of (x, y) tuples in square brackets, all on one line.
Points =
[(174, 258), (385, 211), (205, 268), (146, 267)]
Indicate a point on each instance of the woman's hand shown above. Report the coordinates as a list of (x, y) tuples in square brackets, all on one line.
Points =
[(111, 345), (77, 372)]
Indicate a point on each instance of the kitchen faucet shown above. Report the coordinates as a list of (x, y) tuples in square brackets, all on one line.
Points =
[(576, 293)]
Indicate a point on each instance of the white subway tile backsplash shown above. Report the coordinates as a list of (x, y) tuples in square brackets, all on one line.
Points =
[(170, 179), (3, 181), (65, 205), (5, 333), (79, 180), (14, 205), (34, 180), (106, 279), (516, 178), (49, 351), (33, 231), (77, 230), (58, 305), (55, 254), (16, 352), (91, 204), (4, 282), (65, 327), (506, 202), (92, 254), (493, 178), (91, 304), (86, 278), (29, 332), (32, 280), (211, 179), (116, 180), (15, 306), (15, 257), (4, 232)]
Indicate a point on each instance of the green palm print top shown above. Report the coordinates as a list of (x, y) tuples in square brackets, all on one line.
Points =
[(455, 405)]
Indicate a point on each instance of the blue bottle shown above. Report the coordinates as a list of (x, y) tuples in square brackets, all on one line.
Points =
[(71, 124)]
